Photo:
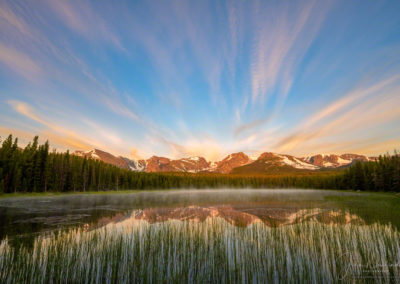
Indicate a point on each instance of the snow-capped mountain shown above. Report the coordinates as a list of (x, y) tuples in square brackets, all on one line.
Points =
[(197, 164), (237, 163), (135, 165), (106, 157), (289, 161), (274, 163), (191, 165), (335, 161)]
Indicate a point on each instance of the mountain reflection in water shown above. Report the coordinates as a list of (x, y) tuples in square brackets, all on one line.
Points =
[(33, 216), (243, 217)]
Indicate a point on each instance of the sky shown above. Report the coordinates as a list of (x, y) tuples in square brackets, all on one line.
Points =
[(202, 78)]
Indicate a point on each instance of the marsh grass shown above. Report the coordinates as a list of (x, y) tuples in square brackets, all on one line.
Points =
[(204, 252)]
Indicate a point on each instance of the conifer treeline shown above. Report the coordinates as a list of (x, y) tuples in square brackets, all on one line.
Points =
[(382, 175), (36, 169)]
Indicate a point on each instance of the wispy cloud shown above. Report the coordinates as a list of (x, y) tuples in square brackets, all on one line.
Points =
[(26, 110), (242, 128), (83, 19), (39, 58), (8, 17), (284, 35), (119, 108), (58, 134), (358, 111), (19, 62), (200, 146)]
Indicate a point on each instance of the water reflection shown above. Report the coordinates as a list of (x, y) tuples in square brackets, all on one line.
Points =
[(37, 215), (271, 217)]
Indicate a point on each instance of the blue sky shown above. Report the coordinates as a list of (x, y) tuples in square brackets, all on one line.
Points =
[(185, 78)]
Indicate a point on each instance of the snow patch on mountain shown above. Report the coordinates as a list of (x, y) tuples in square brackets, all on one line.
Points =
[(95, 156), (342, 161), (296, 163), (194, 158)]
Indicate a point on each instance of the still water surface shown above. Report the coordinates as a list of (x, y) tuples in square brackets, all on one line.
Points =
[(33, 215)]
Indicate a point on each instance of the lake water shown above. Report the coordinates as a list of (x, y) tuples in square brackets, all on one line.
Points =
[(201, 236)]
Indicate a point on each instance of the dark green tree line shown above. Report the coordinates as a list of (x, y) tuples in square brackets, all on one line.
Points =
[(380, 175)]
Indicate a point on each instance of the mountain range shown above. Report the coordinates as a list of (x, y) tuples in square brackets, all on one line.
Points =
[(236, 163)]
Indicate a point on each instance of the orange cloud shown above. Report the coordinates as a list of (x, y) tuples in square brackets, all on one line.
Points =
[(58, 134), (63, 141)]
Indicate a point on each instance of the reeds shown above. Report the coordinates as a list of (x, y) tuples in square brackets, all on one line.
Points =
[(210, 251)]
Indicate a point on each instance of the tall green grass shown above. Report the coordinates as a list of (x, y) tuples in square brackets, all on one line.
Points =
[(210, 251)]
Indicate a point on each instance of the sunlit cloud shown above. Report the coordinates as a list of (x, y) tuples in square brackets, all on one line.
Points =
[(378, 147), (347, 100), (205, 147), (135, 154), (64, 141), (21, 135), (26, 110), (58, 133), (106, 135), (360, 110)]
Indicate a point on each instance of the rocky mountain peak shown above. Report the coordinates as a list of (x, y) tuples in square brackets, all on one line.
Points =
[(267, 155), (232, 161)]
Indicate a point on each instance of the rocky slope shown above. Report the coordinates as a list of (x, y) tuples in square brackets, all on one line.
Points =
[(232, 161)]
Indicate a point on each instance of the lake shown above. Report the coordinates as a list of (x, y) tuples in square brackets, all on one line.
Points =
[(221, 236)]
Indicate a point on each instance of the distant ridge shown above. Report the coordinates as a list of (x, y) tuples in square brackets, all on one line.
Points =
[(237, 163)]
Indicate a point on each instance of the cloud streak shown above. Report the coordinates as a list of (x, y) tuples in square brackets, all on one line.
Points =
[(59, 134), (19, 62), (281, 44), (358, 111), (83, 19)]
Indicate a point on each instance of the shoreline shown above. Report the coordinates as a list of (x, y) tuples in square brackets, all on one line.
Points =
[(133, 191)]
